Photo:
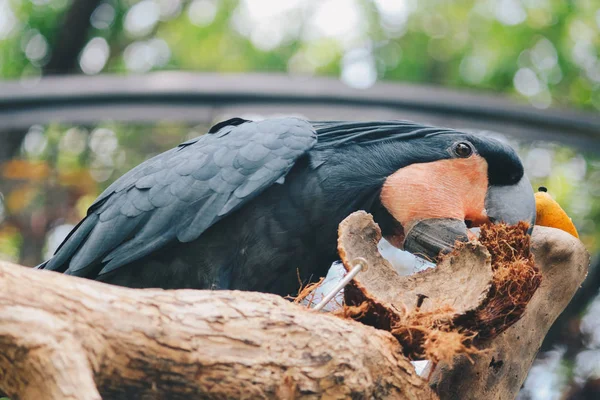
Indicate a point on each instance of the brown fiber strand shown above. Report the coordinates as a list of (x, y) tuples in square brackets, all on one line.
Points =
[(305, 292)]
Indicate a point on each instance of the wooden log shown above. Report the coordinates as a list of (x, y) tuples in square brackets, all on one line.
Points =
[(63, 337)]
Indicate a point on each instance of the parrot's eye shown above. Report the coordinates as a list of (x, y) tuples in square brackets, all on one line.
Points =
[(462, 150)]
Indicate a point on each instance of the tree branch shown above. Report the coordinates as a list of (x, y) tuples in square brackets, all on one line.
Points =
[(60, 334), (63, 337)]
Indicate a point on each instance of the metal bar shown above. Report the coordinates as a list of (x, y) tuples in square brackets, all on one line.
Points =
[(181, 95), (213, 89), (360, 264)]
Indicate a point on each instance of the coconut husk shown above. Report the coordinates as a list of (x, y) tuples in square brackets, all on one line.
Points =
[(476, 292)]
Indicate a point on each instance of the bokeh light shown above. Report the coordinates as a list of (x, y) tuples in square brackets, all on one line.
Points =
[(94, 56)]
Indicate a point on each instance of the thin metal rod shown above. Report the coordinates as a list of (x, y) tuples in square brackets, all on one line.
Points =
[(353, 272)]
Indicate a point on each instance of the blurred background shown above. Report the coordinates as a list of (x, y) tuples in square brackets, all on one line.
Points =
[(539, 54)]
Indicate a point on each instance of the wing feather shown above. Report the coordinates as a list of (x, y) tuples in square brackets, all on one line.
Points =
[(178, 194)]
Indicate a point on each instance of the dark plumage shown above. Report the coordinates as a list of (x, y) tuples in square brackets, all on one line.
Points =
[(251, 205)]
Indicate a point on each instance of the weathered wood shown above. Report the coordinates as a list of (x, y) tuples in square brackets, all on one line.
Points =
[(62, 337), (500, 372), (68, 338)]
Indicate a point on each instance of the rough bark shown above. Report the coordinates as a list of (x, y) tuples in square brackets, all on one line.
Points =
[(565, 330), (500, 372), (67, 338)]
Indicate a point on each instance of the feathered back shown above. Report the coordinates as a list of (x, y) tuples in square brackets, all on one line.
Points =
[(338, 133)]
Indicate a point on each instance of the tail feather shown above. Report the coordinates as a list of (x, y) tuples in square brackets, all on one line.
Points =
[(60, 261)]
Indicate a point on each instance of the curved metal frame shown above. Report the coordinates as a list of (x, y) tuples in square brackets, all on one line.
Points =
[(196, 97)]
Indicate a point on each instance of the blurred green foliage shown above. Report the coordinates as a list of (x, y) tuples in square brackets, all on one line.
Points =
[(544, 52)]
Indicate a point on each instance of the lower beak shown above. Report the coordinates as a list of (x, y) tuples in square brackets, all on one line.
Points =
[(430, 237), (509, 204)]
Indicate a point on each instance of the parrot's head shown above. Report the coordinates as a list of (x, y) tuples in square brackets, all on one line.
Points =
[(425, 186), (451, 182)]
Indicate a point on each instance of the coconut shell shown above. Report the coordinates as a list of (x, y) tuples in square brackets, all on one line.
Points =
[(476, 292)]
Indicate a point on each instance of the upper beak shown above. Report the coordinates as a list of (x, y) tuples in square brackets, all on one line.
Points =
[(509, 204)]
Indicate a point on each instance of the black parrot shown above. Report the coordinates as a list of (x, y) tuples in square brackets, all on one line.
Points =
[(253, 205)]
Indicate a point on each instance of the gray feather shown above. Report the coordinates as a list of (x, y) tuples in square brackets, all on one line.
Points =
[(192, 164), (133, 254), (129, 210), (204, 219), (206, 172), (103, 238), (183, 188), (110, 210), (254, 152), (71, 245), (177, 195), (160, 196), (232, 176), (224, 157), (141, 200)]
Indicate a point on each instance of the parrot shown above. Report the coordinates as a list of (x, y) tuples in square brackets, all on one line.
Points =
[(255, 205)]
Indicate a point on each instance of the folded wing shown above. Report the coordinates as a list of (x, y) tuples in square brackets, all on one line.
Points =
[(178, 194)]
